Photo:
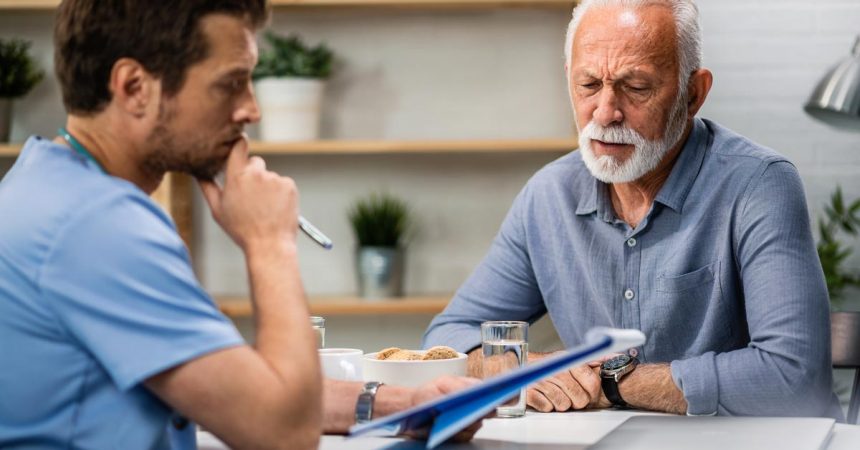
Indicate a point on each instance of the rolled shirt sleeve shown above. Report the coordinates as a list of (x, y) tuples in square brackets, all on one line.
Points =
[(785, 368)]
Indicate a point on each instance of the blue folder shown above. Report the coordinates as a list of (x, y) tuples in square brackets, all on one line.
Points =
[(447, 415)]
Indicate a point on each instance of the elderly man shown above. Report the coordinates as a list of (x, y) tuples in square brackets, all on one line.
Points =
[(663, 222), (107, 340)]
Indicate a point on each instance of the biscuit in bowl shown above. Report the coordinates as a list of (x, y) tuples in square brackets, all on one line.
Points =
[(439, 352), (402, 355), (385, 353), (412, 368)]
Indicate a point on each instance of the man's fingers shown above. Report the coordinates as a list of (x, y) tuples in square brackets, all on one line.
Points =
[(589, 381), (537, 400), (257, 163), (559, 399), (238, 158), (578, 396), (212, 194)]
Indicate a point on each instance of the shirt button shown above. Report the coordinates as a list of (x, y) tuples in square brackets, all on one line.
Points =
[(628, 294), (633, 352), (631, 242)]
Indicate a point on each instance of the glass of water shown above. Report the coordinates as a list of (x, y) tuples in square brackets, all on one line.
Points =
[(318, 324), (505, 346)]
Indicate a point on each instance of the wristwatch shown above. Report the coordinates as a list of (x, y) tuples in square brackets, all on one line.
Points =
[(611, 372), (364, 404)]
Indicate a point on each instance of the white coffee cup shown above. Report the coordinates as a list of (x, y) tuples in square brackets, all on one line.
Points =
[(341, 363)]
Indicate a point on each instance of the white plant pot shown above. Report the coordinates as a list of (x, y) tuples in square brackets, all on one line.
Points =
[(290, 108)]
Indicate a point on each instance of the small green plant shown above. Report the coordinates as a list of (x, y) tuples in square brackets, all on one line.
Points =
[(838, 217), (18, 71), (380, 220), (290, 57)]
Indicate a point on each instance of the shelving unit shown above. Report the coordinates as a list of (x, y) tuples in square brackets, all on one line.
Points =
[(343, 147), (176, 193), (240, 307)]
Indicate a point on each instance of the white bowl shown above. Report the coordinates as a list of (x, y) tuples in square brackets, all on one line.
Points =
[(411, 373)]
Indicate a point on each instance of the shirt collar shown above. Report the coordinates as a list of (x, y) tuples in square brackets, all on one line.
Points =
[(680, 182), (674, 191)]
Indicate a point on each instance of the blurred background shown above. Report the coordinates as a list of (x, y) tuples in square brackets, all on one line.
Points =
[(451, 109)]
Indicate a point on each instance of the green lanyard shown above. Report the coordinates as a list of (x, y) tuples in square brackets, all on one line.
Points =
[(79, 147)]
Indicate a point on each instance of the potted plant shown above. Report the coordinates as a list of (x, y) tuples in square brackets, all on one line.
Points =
[(18, 75), (290, 78), (838, 217), (380, 222)]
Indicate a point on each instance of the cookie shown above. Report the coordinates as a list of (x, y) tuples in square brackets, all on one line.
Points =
[(385, 353), (440, 352), (404, 355)]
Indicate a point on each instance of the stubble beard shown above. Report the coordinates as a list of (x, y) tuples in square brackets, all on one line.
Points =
[(170, 154)]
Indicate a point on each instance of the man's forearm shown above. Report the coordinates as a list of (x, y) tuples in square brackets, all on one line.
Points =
[(284, 337), (474, 364), (339, 399), (651, 387)]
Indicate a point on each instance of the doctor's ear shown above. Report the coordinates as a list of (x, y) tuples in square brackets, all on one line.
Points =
[(133, 89)]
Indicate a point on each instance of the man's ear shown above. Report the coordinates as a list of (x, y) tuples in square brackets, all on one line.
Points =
[(698, 88), (132, 88)]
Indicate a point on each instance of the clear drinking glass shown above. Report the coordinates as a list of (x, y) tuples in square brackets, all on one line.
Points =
[(318, 324), (505, 346)]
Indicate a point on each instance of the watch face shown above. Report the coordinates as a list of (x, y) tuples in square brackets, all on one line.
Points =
[(616, 362)]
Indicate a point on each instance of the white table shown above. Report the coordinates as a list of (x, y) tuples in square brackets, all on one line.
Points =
[(538, 431)]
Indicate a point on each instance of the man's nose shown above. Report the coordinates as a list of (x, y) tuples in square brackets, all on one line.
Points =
[(608, 111), (248, 110)]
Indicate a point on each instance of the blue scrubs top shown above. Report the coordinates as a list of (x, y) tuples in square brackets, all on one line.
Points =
[(97, 294)]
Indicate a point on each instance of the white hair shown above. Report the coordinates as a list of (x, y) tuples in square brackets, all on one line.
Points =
[(689, 35)]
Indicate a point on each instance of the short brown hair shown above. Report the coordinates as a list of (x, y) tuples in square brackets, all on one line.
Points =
[(162, 35)]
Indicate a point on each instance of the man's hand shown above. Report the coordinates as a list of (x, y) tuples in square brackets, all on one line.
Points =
[(255, 206), (442, 386), (577, 388)]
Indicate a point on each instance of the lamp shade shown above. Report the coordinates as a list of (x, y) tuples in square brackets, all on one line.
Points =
[(836, 98)]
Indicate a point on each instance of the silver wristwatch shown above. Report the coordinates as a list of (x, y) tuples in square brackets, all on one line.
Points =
[(364, 405)]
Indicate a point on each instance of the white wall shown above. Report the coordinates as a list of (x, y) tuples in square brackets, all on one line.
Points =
[(468, 73), (419, 74), (766, 56)]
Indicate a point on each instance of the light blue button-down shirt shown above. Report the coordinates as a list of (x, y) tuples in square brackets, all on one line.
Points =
[(722, 276), (96, 296)]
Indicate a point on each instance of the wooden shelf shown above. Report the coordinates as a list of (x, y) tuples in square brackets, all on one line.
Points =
[(238, 307), (29, 4), (52, 4), (371, 147), (10, 149), (347, 147)]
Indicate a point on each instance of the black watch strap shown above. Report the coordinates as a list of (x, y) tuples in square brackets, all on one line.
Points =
[(610, 390)]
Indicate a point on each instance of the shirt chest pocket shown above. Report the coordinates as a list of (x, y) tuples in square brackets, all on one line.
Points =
[(702, 277), (691, 309)]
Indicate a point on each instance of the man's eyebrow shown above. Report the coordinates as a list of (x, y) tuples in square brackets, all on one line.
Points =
[(235, 72), (621, 76)]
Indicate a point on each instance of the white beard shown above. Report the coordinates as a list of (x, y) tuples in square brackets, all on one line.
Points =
[(646, 154)]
